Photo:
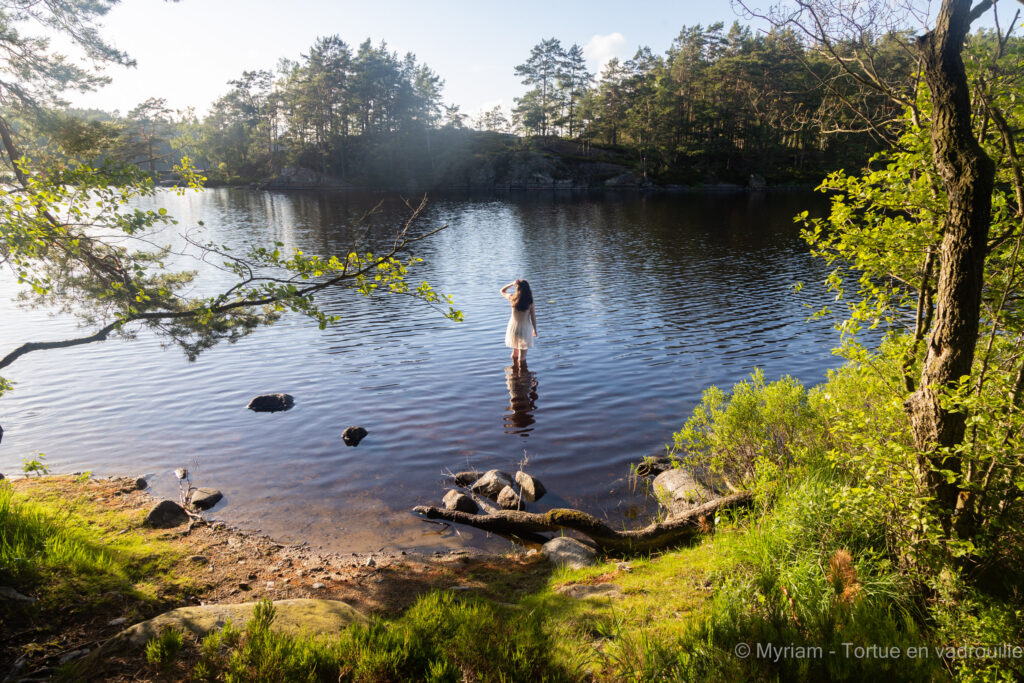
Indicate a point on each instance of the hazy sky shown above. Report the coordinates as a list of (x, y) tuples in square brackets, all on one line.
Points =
[(188, 51)]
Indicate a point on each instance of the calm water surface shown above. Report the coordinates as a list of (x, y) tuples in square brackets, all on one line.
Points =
[(642, 303)]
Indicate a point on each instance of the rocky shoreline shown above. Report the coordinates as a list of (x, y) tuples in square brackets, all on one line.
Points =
[(224, 565)]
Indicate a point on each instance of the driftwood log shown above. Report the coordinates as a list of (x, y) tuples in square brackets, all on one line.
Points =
[(651, 537)]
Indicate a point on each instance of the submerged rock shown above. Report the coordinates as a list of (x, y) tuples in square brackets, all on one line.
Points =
[(353, 435), (454, 500), (653, 465), (271, 403), (166, 515), (530, 487), (205, 498), (491, 484), (508, 499), (570, 552)]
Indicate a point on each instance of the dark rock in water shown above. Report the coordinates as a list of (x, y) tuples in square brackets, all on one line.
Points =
[(508, 499), (491, 484), (166, 515), (141, 484), (271, 403), (466, 478), (653, 465), (453, 500), (205, 498), (1, 434), (530, 488), (353, 435)]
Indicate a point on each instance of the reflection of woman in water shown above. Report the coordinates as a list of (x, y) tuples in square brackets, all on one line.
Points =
[(522, 393), (522, 326)]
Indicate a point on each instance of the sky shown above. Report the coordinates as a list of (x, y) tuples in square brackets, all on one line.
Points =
[(187, 51)]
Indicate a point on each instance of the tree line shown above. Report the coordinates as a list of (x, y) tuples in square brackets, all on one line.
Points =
[(719, 104)]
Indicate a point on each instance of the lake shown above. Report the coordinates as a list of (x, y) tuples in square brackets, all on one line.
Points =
[(642, 303)]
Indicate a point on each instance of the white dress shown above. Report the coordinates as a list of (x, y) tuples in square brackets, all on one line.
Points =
[(519, 334)]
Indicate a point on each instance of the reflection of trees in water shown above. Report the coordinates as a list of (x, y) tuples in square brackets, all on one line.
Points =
[(522, 392)]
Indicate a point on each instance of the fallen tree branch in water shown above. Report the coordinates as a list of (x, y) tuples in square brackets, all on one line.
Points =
[(651, 537)]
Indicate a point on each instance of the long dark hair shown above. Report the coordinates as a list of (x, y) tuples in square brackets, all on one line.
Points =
[(523, 297)]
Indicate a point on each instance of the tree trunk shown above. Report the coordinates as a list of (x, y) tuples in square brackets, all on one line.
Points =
[(651, 537), (968, 176)]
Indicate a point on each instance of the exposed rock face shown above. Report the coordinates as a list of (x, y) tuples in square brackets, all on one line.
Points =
[(508, 499), (453, 500), (466, 478), (353, 435), (570, 552), (166, 515), (530, 488), (205, 498), (271, 403), (678, 491), (491, 484), (628, 179), (299, 178)]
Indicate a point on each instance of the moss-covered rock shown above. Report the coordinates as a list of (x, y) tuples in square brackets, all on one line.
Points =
[(298, 616)]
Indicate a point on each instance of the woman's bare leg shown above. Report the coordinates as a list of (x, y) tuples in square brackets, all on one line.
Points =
[(522, 356)]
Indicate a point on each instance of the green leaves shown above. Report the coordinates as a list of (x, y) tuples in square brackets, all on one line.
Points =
[(72, 238)]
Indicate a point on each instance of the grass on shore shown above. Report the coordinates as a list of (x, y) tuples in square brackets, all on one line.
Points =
[(77, 551)]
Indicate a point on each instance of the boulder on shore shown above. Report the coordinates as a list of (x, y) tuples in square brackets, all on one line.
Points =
[(454, 500), (508, 499), (530, 488), (679, 491), (295, 616), (205, 498), (491, 484), (271, 403), (570, 552), (166, 515), (353, 435)]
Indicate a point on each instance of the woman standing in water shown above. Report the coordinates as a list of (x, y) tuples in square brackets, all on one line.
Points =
[(522, 326)]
